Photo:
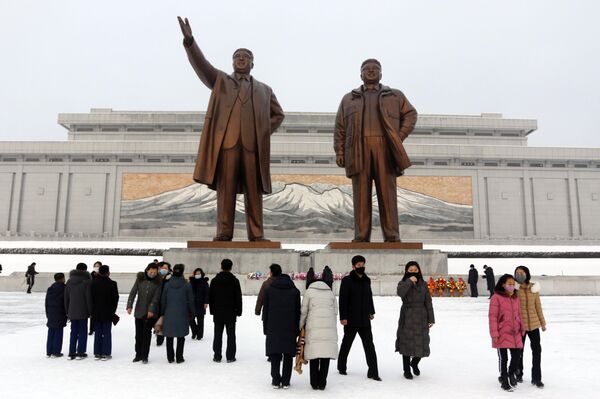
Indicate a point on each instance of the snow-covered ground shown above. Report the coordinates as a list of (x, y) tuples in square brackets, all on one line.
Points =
[(462, 363), (119, 264)]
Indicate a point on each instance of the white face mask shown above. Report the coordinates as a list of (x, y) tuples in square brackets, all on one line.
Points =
[(97, 269), (198, 276)]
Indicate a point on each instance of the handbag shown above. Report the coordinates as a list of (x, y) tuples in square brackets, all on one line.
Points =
[(115, 319), (158, 326)]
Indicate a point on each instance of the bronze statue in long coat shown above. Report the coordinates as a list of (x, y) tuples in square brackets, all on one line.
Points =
[(234, 151)]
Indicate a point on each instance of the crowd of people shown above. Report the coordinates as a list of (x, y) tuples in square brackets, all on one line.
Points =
[(164, 301)]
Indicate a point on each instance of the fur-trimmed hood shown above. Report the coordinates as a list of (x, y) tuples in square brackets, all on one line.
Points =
[(141, 276)]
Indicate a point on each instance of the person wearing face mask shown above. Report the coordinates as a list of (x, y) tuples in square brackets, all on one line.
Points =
[(416, 318), (356, 312), (506, 329), (164, 271), (200, 289), (533, 319), (94, 274), (147, 289)]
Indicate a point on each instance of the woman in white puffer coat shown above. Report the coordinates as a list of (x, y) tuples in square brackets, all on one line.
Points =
[(319, 320)]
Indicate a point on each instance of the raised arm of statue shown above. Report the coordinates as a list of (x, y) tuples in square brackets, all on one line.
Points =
[(205, 71)]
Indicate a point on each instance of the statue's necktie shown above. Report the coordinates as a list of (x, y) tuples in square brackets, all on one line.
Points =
[(244, 93)]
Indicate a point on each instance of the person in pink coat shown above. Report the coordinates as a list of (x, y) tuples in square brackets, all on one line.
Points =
[(506, 329)]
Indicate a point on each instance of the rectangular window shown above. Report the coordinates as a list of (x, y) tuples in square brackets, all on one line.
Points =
[(467, 164), (78, 160), (298, 161), (125, 160), (322, 161), (513, 164), (153, 160), (491, 164), (177, 160)]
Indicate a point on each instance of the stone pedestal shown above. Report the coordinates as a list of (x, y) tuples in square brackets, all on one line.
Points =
[(245, 260), (382, 262)]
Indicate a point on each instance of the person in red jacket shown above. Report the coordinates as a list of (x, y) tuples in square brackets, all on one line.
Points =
[(506, 329)]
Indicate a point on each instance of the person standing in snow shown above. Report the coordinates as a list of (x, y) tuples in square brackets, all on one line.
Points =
[(225, 302), (177, 305), (356, 312), (78, 305), (30, 276), (489, 277), (147, 289), (473, 280), (416, 318), (533, 319), (55, 313), (318, 318), (105, 299), (165, 273), (281, 316), (275, 269), (506, 329), (200, 289)]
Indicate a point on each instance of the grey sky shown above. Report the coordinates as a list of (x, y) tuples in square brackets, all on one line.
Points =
[(525, 59)]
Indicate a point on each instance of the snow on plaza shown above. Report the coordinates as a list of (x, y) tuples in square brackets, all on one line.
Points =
[(462, 362)]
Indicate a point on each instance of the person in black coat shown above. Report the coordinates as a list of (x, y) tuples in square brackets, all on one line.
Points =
[(281, 309), (489, 277), (56, 315), (225, 301), (472, 280), (30, 276), (94, 274), (200, 289), (356, 312), (165, 272), (105, 299)]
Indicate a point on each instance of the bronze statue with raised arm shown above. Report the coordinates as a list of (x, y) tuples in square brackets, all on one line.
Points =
[(371, 123), (234, 150)]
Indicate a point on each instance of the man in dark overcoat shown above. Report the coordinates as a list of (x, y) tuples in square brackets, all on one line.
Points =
[(105, 299), (356, 312), (281, 318), (472, 280), (225, 304), (234, 151), (371, 123)]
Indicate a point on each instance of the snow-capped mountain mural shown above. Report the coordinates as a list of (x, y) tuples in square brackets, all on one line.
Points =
[(307, 212)]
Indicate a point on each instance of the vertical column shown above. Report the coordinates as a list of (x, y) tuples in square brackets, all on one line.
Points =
[(109, 201), (475, 198), (16, 199), (482, 207), (63, 199), (573, 198), (528, 208)]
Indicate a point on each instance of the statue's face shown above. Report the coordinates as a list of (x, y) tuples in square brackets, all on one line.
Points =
[(370, 73), (242, 62)]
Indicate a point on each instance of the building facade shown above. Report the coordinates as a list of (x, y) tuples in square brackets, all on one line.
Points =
[(127, 175)]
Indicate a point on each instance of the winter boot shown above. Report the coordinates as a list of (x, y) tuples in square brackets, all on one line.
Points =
[(505, 385), (538, 384), (406, 365), (414, 363), (512, 379)]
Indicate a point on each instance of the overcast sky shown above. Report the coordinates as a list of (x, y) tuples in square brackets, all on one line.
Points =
[(524, 59)]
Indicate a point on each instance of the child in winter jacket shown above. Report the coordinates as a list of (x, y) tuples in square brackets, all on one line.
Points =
[(506, 328)]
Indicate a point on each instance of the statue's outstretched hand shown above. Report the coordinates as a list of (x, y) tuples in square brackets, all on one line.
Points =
[(186, 29)]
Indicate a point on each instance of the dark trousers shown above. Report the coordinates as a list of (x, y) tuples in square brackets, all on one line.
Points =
[(178, 353), (197, 326), (218, 340), (474, 292), (143, 337), (92, 326), (78, 338), (503, 361), (54, 341), (238, 166), (159, 340), (102, 338), (376, 168), (536, 350), (30, 283), (407, 361), (281, 375), (366, 337), (319, 368)]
